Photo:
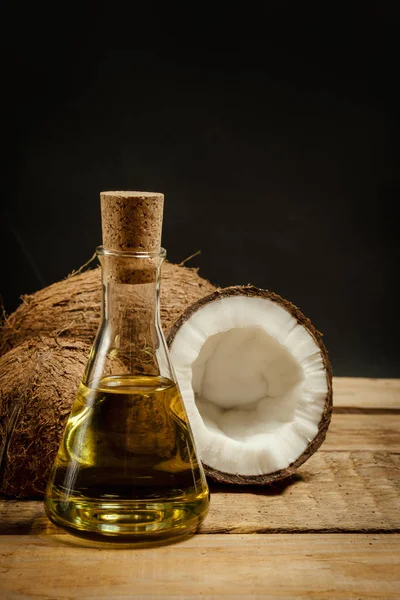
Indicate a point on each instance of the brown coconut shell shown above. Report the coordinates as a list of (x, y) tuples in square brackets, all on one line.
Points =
[(251, 291), (38, 384), (71, 307), (51, 333)]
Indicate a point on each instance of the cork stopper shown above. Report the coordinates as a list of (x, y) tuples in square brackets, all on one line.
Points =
[(132, 220)]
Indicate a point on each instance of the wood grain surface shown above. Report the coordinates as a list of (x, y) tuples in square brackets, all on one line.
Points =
[(359, 392), (334, 491), (234, 566), (332, 531)]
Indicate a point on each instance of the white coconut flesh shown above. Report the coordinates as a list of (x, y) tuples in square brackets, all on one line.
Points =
[(253, 382)]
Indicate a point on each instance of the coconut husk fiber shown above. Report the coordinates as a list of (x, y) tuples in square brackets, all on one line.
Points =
[(45, 345), (71, 307), (38, 384)]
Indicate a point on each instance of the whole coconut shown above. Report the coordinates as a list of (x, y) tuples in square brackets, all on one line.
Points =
[(71, 307), (45, 345)]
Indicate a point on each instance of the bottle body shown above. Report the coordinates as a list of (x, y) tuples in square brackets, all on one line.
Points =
[(127, 463)]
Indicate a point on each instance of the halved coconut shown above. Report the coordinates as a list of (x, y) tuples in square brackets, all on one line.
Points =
[(256, 382)]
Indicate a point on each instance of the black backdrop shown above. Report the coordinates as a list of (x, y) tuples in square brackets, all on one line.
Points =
[(271, 132)]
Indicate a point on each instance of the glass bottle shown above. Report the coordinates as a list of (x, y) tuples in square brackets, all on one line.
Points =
[(127, 463)]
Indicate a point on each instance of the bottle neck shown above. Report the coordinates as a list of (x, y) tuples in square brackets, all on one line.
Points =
[(131, 297), (131, 310), (130, 332)]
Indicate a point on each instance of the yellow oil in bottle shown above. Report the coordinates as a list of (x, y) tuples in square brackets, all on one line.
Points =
[(126, 465)]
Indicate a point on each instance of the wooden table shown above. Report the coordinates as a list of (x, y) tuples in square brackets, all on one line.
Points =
[(332, 531)]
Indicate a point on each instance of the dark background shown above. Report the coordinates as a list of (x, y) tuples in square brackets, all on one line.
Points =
[(271, 131)]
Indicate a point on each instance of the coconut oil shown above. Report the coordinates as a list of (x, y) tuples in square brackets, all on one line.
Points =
[(127, 465)]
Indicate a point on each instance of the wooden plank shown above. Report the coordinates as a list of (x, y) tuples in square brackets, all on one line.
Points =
[(373, 432), (333, 491), (363, 393), (214, 566)]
